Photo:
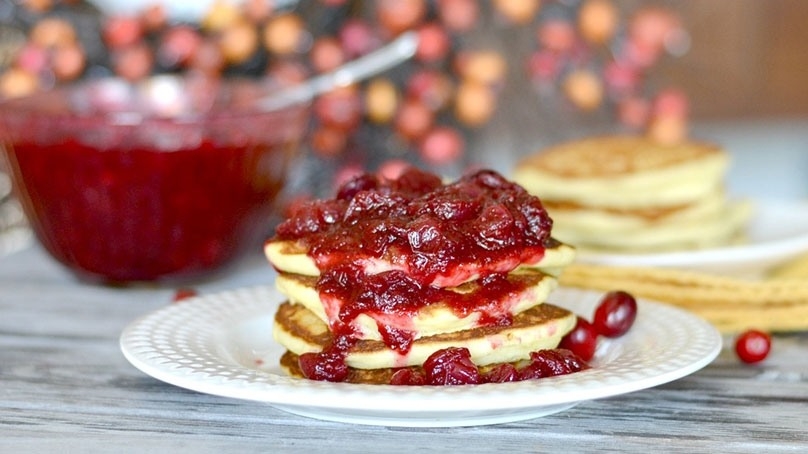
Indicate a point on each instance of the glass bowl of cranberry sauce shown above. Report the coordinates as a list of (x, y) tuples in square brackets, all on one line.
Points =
[(169, 179)]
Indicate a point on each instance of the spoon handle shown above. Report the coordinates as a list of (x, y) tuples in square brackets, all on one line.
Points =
[(382, 59)]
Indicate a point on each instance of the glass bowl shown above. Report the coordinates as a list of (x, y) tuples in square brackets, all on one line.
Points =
[(169, 179)]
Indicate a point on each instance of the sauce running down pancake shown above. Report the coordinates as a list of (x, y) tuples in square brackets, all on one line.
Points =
[(538, 328), (294, 258), (391, 272), (449, 313)]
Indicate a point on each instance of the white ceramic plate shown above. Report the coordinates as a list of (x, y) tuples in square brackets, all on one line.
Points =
[(221, 344), (778, 231)]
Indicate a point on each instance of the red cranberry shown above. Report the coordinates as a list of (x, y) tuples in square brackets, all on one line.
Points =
[(753, 346), (328, 141), (433, 43), (549, 363), (324, 366), (408, 377), (122, 31), (442, 145), (340, 108), (615, 314), (454, 209), (413, 180), (327, 54), (431, 87), (178, 46), (451, 366), (414, 119), (183, 294), (502, 373), (363, 182), (582, 340), (357, 38), (458, 15), (559, 361)]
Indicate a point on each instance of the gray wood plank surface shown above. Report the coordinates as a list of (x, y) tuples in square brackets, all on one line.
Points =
[(65, 387)]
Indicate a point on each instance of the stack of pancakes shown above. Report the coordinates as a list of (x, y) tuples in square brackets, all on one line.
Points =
[(505, 330), (629, 193)]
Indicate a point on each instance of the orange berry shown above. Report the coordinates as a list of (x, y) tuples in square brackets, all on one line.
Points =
[(397, 16), (68, 62), (584, 89), (518, 11), (238, 42), (52, 32), (17, 82), (597, 20), (474, 103), (283, 35), (381, 100), (486, 67)]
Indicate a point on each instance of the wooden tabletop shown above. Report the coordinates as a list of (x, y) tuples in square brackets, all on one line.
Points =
[(66, 387)]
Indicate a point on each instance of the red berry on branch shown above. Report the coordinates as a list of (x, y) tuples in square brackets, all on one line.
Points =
[(414, 119), (442, 145), (459, 15), (433, 43), (397, 16), (326, 54), (122, 31), (357, 38)]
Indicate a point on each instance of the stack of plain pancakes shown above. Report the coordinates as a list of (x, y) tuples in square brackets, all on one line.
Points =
[(629, 193), (305, 322)]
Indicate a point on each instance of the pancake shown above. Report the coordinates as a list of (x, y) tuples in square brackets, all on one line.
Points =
[(291, 257), (538, 328), (290, 364), (623, 172), (435, 318), (391, 271), (615, 219), (709, 222), (632, 194)]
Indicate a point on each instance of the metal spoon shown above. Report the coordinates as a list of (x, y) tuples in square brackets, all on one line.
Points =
[(386, 57)]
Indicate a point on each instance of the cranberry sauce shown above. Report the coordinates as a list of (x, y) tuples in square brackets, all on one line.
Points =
[(394, 295), (453, 366), (135, 214), (431, 230), (435, 236)]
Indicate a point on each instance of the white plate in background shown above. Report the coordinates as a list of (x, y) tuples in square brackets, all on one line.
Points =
[(777, 232)]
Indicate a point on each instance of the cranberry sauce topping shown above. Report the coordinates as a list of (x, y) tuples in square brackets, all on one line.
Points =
[(394, 295), (453, 366), (481, 226), (329, 364), (432, 230)]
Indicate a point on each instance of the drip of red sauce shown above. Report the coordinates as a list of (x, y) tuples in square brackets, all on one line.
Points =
[(482, 226)]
